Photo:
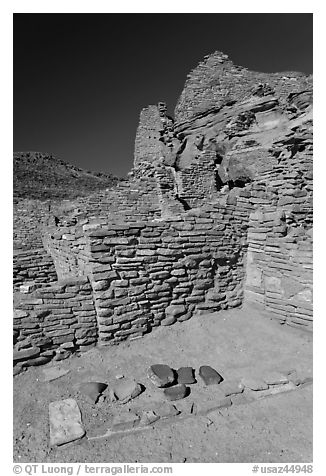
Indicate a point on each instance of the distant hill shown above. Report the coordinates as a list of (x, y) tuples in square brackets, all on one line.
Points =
[(42, 176)]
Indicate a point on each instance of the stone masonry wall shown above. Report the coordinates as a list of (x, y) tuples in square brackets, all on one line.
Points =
[(196, 182), (27, 221), (279, 261), (149, 273), (160, 272), (53, 321), (129, 201), (133, 200), (148, 144), (34, 265), (279, 268)]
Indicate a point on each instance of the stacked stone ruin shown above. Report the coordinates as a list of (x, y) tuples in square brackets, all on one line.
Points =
[(216, 213)]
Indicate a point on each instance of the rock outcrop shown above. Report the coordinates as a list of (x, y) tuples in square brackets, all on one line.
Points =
[(226, 121)]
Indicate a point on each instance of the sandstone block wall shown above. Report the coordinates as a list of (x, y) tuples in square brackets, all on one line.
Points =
[(279, 268), (148, 147), (34, 265), (197, 182), (147, 273), (28, 218), (53, 321), (160, 272), (134, 200)]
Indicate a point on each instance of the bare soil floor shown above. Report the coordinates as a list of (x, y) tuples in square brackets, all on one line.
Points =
[(237, 343)]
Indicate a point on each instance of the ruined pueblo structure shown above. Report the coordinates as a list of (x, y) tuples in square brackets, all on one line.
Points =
[(216, 213)]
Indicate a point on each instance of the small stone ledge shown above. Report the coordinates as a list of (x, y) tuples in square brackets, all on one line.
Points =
[(234, 400)]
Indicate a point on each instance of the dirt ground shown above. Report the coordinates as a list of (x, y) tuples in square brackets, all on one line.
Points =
[(237, 343)]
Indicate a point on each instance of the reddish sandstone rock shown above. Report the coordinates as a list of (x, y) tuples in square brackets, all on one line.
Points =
[(165, 410), (209, 375), (161, 375), (177, 392), (125, 390), (186, 375)]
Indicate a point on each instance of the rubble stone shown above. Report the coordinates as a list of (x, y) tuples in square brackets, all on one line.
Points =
[(161, 375), (177, 392), (92, 390), (186, 375), (125, 390), (209, 375), (165, 410)]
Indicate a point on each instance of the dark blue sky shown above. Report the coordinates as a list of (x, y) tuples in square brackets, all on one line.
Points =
[(80, 80)]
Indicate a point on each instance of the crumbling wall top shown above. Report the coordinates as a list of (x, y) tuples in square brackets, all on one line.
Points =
[(216, 82)]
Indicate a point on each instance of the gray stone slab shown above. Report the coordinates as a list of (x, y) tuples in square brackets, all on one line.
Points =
[(254, 383), (209, 375), (186, 375), (177, 392), (125, 390), (161, 375), (275, 378), (92, 390), (65, 422)]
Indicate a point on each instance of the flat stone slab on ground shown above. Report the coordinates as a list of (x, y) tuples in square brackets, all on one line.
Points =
[(186, 375), (161, 375), (254, 383), (209, 375), (92, 390), (231, 387), (53, 373), (275, 378), (125, 390), (125, 421), (297, 378), (164, 410), (177, 392), (220, 402), (65, 422), (276, 390)]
